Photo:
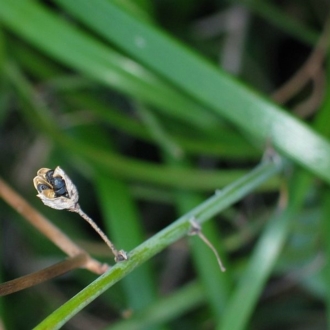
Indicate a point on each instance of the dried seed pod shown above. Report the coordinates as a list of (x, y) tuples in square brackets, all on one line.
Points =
[(55, 189)]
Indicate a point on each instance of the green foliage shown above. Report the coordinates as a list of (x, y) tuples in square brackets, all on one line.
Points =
[(130, 101)]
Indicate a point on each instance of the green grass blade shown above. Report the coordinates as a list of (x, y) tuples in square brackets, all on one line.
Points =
[(326, 239), (246, 109), (122, 222), (273, 15), (55, 37), (164, 310), (38, 114), (261, 263), (228, 144), (216, 284), (161, 240), (322, 125)]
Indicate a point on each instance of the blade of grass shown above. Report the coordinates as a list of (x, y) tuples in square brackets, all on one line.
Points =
[(39, 115), (229, 144), (217, 284), (246, 109), (122, 222), (255, 276), (138, 8), (55, 36), (158, 242), (326, 240), (263, 258), (165, 310), (282, 21), (321, 124)]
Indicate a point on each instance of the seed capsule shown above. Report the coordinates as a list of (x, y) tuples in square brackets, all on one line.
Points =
[(55, 189)]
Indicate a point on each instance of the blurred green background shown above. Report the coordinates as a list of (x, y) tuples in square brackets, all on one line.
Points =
[(150, 107)]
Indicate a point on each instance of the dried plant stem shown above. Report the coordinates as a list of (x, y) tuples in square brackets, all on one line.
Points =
[(196, 230), (96, 228), (43, 275), (19, 204), (208, 243), (310, 69), (119, 255)]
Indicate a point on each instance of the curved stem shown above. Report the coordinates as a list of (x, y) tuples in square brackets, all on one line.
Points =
[(44, 226), (119, 255), (43, 275)]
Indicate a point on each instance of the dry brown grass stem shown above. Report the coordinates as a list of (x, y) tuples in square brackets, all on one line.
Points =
[(43, 275), (47, 228), (309, 71)]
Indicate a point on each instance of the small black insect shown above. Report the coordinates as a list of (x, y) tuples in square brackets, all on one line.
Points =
[(57, 183)]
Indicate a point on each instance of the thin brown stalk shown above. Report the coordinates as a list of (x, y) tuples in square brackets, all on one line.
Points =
[(119, 255), (43, 275), (48, 229), (307, 107), (307, 71), (196, 230)]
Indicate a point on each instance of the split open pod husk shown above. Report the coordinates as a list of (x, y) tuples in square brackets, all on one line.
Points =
[(48, 196)]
